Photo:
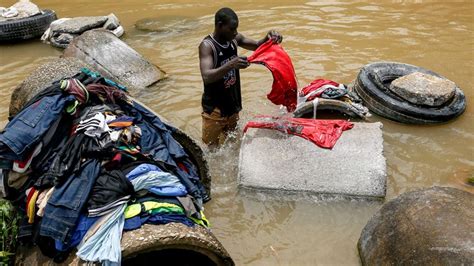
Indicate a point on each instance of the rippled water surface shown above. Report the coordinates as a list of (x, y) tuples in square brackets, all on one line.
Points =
[(330, 39)]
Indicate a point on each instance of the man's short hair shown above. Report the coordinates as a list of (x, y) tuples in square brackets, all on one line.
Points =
[(225, 15)]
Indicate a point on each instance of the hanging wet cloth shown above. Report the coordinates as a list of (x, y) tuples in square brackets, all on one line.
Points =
[(284, 88)]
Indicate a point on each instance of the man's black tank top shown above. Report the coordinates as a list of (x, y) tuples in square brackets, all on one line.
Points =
[(224, 93)]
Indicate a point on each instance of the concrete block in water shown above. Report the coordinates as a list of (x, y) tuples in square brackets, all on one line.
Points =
[(276, 161)]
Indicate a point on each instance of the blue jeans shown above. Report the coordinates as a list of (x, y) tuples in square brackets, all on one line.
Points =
[(63, 209), (27, 128)]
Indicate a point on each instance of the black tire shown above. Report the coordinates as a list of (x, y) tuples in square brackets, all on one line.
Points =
[(327, 104), (197, 157), (26, 28), (372, 85)]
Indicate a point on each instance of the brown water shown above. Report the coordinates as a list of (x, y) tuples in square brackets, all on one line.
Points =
[(331, 39)]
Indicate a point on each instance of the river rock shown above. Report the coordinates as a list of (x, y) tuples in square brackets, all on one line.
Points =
[(423, 89), (41, 78), (274, 161), (114, 59), (79, 24), (23, 8), (432, 226)]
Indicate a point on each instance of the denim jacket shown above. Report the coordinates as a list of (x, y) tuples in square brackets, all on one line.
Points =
[(27, 128)]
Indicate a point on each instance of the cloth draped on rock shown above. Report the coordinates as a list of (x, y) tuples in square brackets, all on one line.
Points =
[(284, 88), (323, 133)]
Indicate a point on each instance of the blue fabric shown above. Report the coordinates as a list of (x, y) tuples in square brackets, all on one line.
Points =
[(159, 183), (157, 141), (104, 245), (63, 209), (142, 169), (137, 221), (109, 82), (27, 128), (83, 225)]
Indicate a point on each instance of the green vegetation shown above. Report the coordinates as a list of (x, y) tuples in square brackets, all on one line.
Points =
[(470, 180), (9, 226)]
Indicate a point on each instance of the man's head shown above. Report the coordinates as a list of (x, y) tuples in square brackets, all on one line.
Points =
[(226, 23)]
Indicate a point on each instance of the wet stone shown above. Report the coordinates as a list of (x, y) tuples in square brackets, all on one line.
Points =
[(423, 89), (431, 226), (41, 78), (274, 161), (78, 25), (114, 59)]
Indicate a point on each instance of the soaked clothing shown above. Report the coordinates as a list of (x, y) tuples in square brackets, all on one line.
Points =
[(284, 88), (225, 93), (214, 126), (322, 88), (323, 133)]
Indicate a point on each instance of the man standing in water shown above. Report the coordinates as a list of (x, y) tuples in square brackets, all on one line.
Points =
[(219, 64)]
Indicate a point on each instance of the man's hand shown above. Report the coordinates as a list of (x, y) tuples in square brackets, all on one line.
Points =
[(239, 63), (275, 36)]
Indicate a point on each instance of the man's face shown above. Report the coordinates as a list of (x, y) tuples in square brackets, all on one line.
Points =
[(228, 30)]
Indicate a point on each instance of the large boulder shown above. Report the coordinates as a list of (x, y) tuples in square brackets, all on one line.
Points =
[(274, 161), (423, 89), (431, 226), (114, 59), (41, 78)]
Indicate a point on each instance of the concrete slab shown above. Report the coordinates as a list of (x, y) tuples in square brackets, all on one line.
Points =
[(271, 160)]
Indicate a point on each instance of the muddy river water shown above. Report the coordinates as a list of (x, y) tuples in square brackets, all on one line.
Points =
[(331, 39)]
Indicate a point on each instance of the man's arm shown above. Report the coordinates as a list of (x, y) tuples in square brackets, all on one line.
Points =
[(206, 64), (252, 45)]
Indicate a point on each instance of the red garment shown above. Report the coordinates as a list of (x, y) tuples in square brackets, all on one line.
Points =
[(323, 133), (284, 88), (315, 85)]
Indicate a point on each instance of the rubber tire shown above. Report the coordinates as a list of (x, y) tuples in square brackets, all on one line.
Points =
[(372, 85), (26, 28), (196, 155)]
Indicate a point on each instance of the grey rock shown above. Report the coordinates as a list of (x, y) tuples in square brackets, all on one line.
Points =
[(423, 89), (271, 160), (79, 24), (41, 78), (114, 59), (65, 38), (112, 22), (432, 226), (25, 9)]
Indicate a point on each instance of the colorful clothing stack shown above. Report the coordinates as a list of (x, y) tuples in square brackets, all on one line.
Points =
[(83, 162)]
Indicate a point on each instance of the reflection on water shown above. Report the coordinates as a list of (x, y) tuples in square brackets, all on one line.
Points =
[(330, 39)]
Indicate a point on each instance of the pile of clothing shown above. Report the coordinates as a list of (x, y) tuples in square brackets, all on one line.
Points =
[(285, 88), (328, 89), (83, 162)]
